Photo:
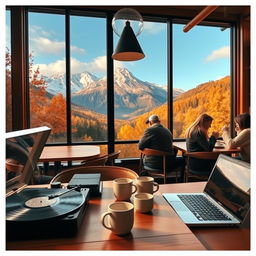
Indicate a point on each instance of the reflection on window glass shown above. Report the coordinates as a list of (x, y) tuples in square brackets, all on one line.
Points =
[(88, 79), (47, 82), (201, 76), (141, 86), (8, 73)]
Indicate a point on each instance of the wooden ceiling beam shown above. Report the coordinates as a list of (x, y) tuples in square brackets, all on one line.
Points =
[(199, 17)]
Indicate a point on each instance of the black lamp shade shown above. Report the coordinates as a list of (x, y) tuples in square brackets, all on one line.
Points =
[(128, 47)]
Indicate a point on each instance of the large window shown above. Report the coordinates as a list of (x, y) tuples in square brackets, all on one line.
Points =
[(47, 73), (201, 76), (88, 79), (69, 90), (141, 87)]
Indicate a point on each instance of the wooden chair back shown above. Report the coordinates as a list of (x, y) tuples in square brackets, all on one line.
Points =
[(112, 157), (101, 160), (154, 152), (107, 173), (213, 155)]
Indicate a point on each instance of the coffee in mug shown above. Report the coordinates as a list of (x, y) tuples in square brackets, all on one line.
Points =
[(143, 202), (123, 188), (146, 184), (120, 218)]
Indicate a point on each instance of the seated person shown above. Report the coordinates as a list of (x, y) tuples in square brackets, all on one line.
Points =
[(160, 138), (242, 140), (197, 140)]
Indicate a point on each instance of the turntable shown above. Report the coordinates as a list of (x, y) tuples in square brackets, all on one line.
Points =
[(40, 212)]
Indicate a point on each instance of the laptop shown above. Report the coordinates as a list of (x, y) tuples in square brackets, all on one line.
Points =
[(225, 199)]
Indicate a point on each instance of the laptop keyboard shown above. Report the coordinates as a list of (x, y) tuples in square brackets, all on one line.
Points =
[(202, 208)]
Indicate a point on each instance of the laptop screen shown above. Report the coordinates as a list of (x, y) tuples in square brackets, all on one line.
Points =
[(229, 184), (23, 149)]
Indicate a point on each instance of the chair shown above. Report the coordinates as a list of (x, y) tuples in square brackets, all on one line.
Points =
[(189, 173), (155, 172), (107, 173), (112, 157), (101, 160)]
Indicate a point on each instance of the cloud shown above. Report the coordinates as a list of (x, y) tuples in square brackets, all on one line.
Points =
[(41, 43), (7, 37), (97, 66), (221, 53), (153, 28)]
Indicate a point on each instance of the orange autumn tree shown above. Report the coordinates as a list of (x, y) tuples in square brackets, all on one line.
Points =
[(37, 96), (55, 111), (43, 110)]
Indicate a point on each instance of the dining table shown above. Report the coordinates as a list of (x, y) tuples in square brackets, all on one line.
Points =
[(219, 147), (67, 153)]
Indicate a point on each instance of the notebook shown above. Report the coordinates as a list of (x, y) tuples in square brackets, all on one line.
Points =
[(225, 199)]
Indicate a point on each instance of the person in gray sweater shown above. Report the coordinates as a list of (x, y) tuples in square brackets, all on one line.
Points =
[(243, 138), (158, 137)]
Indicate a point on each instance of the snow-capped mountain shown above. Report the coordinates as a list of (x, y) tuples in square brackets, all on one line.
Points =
[(132, 96), (57, 83)]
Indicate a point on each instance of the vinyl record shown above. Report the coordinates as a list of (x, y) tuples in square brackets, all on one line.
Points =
[(34, 205)]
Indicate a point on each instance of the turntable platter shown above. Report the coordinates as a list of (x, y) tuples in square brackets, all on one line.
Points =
[(34, 205)]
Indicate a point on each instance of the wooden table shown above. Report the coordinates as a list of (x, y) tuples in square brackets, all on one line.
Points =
[(69, 153), (214, 238), (161, 229), (58, 154), (181, 145)]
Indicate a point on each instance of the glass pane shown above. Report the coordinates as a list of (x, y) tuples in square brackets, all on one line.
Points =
[(141, 86), (127, 150), (47, 73), (8, 68), (88, 79), (201, 75)]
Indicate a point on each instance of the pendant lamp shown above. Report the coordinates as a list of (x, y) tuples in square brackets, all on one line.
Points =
[(126, 23)]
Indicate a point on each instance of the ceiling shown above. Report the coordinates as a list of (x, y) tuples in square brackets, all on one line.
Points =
[(222, 13)]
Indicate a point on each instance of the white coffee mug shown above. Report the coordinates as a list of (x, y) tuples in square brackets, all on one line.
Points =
[(143, 202), (120, 218), (146, 184), (123, 188)]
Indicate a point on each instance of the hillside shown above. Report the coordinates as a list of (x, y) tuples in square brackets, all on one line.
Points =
[(212, 97)]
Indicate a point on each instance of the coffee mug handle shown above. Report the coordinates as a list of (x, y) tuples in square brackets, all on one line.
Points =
[(135, 188), (156, 185), (103, 220)]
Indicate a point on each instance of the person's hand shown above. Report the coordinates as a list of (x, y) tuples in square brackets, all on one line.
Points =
[(215, 134), (225, 128)]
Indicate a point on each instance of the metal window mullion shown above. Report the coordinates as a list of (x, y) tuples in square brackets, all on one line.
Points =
[(110, 86), (169, 75), (68, 84)]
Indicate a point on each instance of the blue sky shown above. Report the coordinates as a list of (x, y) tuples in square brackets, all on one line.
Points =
[(200, 55)]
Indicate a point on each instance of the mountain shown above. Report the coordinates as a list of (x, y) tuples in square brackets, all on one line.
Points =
[(132, 96)]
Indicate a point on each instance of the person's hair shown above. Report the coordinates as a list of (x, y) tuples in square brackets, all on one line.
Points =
[(244, 120), (199, 123)]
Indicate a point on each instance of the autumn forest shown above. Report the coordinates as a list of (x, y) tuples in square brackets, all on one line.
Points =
[(212, 97)]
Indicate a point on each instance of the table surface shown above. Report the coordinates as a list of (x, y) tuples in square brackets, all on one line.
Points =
[(69, 153), (214, 238), (181, 145), (161, 229)]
